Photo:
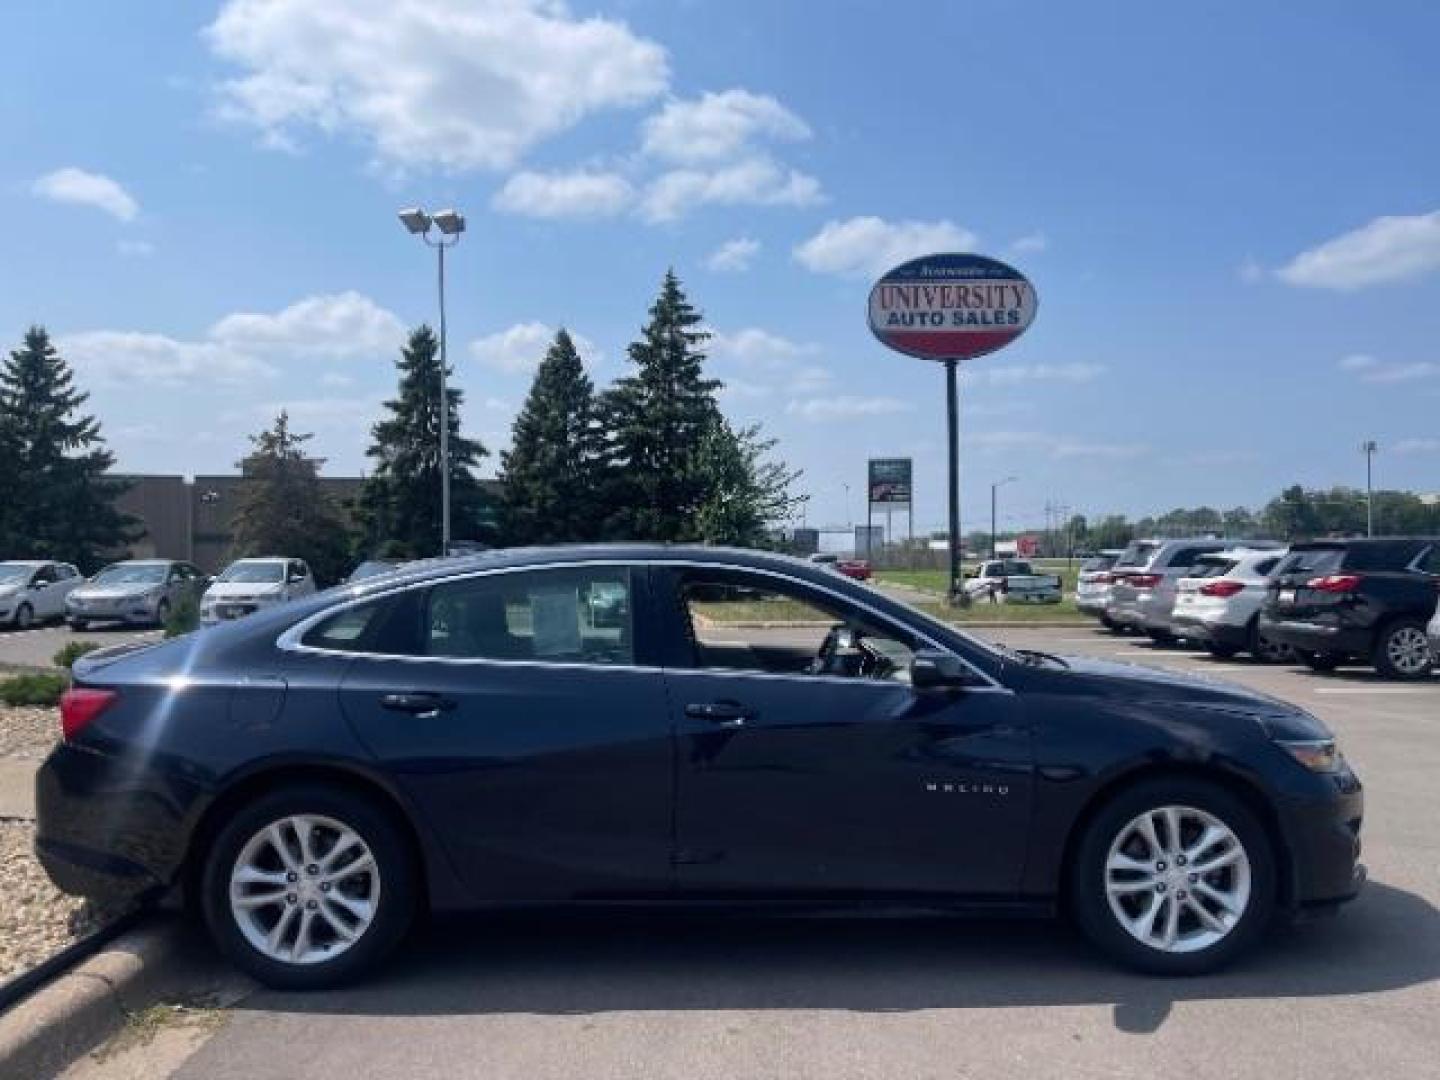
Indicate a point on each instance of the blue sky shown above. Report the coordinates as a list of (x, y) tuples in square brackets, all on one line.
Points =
[(1232, 221)]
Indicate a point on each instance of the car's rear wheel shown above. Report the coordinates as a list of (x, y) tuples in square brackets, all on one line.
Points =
[(308, 887), (24, 617), (77, 624), (1402, 651), (1221, 651), (1320, 661), (1160, 637), (1174, 876), (1109, 624)]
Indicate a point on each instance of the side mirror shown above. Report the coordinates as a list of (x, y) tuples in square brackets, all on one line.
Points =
[(932, 669)]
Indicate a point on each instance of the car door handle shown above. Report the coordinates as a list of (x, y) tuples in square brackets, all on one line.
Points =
[(723, 713), (423, 705)]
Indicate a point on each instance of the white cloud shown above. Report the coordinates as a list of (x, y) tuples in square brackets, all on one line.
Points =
[(81, 188), (135, 249), (429, 82), (868, 246), (340, 325), (755, 181), (1055, 446), (718, 127), (1030, 244), (518, 349), (578, 194), (756, 347), (1009, 374), (1417, 446), (1371, 370), (127, 356), (242, 347), (1386, 249), (733, 255), (846, 406)]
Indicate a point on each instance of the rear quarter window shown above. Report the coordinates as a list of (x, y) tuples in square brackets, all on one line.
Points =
[(1137, 554)]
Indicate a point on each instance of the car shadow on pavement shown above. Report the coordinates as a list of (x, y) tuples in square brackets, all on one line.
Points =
[(567, 964)]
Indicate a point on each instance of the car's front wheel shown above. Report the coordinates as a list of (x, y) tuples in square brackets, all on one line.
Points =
[(1402, 651), (308, 887), (1320, 661), (1174, 877)]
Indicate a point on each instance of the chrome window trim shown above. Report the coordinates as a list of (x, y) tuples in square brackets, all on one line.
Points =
[(1414, 565), (289, 640)]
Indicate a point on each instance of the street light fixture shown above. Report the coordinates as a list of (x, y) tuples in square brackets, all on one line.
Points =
[(996, 486), (451, 224)]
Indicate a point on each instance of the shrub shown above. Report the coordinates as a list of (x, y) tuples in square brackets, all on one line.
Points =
[(42, 688), (72, 651), (184, 617)]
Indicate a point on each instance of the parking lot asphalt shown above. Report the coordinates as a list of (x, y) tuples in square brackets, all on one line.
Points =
[(731, 998), (35, 647)]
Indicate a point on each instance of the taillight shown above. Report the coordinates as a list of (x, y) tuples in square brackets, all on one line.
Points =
[(1221, 588), (79, 705), (1102, 578), (1336, 583), (1143, 581)]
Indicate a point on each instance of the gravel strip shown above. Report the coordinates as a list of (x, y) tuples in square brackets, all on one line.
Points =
[(36, 919), (27, 731)]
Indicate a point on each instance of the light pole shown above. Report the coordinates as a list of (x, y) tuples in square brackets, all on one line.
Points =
[(1368, 448), (996, 486), (451, 223)]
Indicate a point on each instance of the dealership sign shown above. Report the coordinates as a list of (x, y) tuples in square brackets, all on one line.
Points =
[(890, 480), (951, 307)]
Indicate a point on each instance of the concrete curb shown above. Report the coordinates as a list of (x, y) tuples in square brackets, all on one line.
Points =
[(78, 1010)]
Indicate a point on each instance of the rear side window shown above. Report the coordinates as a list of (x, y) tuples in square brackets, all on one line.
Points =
[(1264, 567), (1211, 566), (1312, 561), (387, 625), (1185, 557), (1100, 562), (571, 615), (1137, 554)]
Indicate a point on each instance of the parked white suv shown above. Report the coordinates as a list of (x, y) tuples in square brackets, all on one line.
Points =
[(247, 585), (1092, 587), (33, 591), (1218, 604), (1145, 577)]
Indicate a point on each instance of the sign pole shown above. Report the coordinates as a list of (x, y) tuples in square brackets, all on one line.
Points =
[(953, 424)]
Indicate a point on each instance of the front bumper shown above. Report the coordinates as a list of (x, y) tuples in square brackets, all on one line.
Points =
[(140, 611), (1198, 628), (1322, 833)]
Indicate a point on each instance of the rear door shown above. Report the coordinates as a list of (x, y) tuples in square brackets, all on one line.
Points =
[(803, 772), (517, 712)]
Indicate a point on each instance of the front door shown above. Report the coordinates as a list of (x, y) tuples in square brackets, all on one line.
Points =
[(806, 763), (521, 724)]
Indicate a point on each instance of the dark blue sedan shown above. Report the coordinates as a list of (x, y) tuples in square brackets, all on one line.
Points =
[(671, 726)]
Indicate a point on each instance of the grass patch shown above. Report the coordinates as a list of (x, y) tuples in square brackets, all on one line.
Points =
[(43, 688), (72, 651)]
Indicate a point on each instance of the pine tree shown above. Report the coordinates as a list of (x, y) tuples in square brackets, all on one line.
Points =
[(657, 420), (551, 471), (55, 499), (399, 505), (746, 496), (283, 510)]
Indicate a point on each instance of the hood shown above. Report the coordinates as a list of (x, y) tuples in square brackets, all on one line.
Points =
[(1137, 684), (247, 590), (113, 592)]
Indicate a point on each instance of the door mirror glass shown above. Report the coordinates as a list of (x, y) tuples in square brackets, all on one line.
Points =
[(933, 669)]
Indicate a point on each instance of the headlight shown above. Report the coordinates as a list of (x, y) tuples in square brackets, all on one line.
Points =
[(1317, 755)]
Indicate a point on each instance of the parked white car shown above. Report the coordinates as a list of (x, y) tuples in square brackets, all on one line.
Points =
[(33, 591), (1092, 587), (1218, 604), (247, 585)]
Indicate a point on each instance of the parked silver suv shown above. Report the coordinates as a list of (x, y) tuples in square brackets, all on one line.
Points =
[(1092, 587), (1145, 575)]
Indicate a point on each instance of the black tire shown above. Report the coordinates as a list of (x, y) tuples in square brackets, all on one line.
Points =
[(1109, 624), (1320, 661), (24, 617), (1160, 637), (78, 625), (1222, 651), (1087, 896), (395, 867), (1418, 661), (162, 612), (1256, 647)]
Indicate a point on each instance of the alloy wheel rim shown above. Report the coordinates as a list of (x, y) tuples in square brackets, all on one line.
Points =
[(1408, 650), (1272, 650), (1177, 879), (304, 889)]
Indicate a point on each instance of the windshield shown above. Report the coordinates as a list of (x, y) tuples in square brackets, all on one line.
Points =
[(254, 572), (11, 572), (371, 569), (131, 574)]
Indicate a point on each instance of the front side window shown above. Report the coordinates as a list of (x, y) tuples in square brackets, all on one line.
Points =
[(573, 615), (760, 624)]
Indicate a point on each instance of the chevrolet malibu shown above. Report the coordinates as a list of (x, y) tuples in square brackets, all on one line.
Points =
[(606, 725)]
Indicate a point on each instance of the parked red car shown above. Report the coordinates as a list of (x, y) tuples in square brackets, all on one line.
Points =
[(859, 569)]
